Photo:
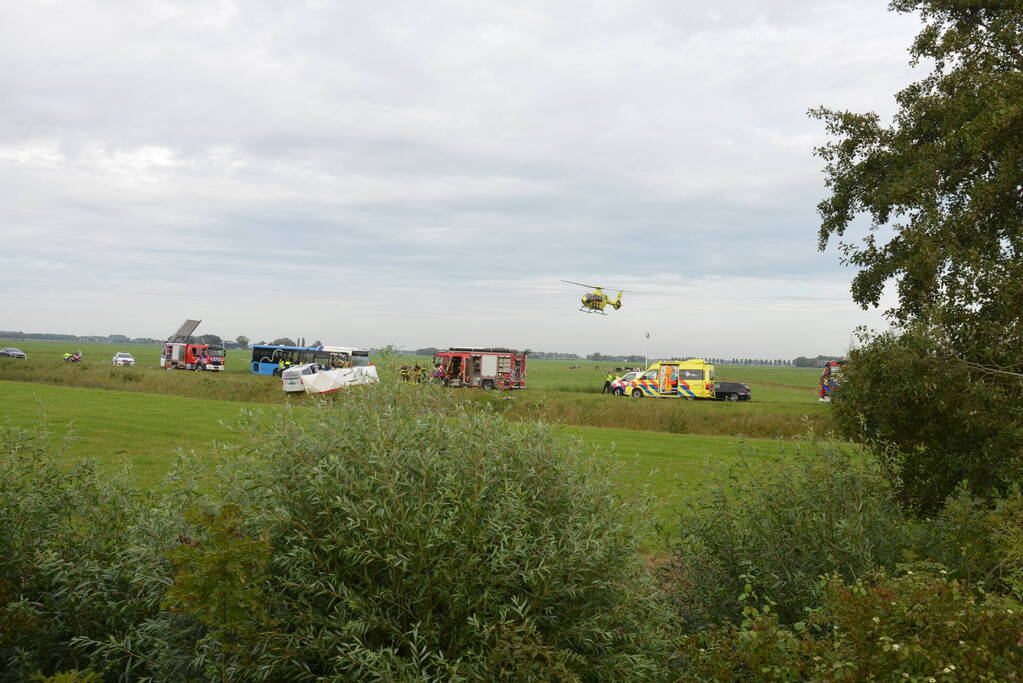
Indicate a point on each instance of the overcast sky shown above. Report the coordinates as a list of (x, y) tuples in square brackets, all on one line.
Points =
[(425, 174)]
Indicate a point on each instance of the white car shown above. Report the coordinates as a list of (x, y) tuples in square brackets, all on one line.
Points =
[(122, 358), (313, 378)]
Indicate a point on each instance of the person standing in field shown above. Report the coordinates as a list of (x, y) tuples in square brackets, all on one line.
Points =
[(403, 372), (607, 383)]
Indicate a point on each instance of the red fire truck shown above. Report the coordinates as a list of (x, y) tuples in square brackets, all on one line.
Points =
[(487, 368), (180, 353)]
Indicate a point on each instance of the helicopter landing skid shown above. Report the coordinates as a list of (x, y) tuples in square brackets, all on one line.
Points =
[(591, 310)]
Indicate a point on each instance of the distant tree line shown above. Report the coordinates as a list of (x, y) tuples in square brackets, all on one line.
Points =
[(819, 361), (98, 339), (240, 342), (800, 362)]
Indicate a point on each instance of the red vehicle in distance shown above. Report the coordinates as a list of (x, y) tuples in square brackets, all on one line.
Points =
[(487, 368), (180, 353)]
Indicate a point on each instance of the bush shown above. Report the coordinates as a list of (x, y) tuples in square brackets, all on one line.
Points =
[(917, 626), (75, 563), (393, 534), (939, 420), (413, 545), (980, 541), (778, 528)]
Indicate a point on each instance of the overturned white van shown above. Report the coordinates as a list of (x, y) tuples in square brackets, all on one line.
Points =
[(313, 378)]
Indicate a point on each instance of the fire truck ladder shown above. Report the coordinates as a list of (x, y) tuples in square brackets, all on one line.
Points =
[(184, 333)]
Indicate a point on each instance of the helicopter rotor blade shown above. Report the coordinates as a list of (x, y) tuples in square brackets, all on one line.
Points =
[(598, 286)]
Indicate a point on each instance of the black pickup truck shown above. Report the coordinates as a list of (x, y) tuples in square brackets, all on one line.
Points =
[(732, 391)]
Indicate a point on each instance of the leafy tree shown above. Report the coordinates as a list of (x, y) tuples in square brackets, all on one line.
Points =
[(942, 186), (944, 424), (212, 339), (242, 341), (283, 341)]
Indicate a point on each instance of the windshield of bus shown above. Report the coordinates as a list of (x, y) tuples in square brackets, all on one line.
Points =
[(262, 354)]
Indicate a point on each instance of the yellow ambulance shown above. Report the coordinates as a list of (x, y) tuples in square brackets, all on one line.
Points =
[(688, 379)]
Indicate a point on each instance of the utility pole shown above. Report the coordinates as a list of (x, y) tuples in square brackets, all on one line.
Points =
[(646, 350)]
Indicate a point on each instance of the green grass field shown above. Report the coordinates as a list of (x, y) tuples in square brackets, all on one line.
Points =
[(146, 431), (784, 405), (667, 449)]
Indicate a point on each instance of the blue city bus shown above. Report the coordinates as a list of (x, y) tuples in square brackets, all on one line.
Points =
[(270, 359)]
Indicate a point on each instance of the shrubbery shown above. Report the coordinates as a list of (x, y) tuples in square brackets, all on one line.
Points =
[(918, 625), (414, 544), (980, 541), (389, 536), (400, 534), (937, 420), (746, 580), (781, 527), (63, 572)]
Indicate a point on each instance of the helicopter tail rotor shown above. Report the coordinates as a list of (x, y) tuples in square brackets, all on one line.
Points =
[(617, 303)]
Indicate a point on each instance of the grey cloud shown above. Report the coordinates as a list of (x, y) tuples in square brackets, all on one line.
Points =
[(393, 147)]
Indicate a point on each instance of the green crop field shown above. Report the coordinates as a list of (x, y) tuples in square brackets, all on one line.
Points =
[(667, 449)]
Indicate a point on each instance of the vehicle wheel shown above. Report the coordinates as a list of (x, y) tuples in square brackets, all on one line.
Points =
[(733, 397), (636, 393), (488, 384), (618, 391)]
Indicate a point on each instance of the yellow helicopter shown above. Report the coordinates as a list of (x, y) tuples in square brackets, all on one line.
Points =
[(595, 301)]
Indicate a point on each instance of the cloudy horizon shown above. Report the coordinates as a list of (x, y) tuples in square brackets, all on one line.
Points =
[(426, 175)]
